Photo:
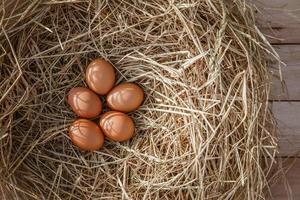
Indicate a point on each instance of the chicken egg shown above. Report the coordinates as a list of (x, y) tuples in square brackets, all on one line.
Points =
[(117, 126), (100, 76), (84, 102), (125, 97), (86, 134)]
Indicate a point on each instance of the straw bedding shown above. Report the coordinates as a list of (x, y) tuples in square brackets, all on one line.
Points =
[(204, 131)]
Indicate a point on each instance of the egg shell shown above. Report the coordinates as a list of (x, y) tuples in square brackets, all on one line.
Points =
[(117, 126), (86, 134), (125, 97), (84, 102), (100, 76)]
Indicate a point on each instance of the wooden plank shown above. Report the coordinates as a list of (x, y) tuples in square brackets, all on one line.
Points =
[(290, 55), (283, 16), (287, 115), (287, 187)]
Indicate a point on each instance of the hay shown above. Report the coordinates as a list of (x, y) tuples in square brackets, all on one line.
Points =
[(204, 132)]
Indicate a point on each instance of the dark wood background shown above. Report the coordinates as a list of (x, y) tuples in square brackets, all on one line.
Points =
[(283, 16)]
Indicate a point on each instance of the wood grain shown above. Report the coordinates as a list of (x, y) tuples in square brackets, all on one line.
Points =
[(290, 55), (287, 115), (287, 188), (283, 16), (280, 20)]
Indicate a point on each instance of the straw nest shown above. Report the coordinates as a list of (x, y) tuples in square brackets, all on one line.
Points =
[(203, 132)]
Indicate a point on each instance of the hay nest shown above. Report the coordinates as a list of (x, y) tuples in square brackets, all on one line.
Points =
[(204, 131)]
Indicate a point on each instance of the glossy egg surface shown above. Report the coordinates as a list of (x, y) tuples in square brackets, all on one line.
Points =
[(125, 97), (100, 76), (117, 126), (84, 102), (86, 134)]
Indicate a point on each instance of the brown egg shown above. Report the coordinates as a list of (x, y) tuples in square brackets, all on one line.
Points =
[(84, 102), (125, 97), (86, 134), (100, 76), (117, 126)]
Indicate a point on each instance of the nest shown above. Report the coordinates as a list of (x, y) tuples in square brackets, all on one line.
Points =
[(205, 130)]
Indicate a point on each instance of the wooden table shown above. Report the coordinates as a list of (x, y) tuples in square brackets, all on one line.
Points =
[(283, 16)]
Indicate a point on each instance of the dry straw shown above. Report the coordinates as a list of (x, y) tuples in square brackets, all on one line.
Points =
[(204, 131)]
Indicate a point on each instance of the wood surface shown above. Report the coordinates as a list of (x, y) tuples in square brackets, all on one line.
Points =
[(279, 20), (287, 188), (287, 115), (283, 16), (289, 90)]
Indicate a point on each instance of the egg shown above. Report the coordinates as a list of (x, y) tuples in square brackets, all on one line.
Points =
[(86, 134), (117, 126), (125, 97), (84, 102), (100, 76)]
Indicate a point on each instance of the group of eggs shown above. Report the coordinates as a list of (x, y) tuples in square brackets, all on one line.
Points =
[(115, 125)]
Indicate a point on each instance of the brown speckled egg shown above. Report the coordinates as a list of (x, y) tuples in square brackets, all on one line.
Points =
[(100, 76), (125, 97), (117, 126), (86, 134), (84, 102)]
